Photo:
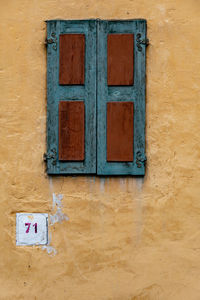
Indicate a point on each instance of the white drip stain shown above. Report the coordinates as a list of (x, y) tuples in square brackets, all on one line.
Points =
[(49, 249), (102, 185), (139, 205), (57, 217)]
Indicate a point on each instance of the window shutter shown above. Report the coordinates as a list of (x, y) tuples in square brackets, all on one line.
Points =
[(71, 97), (121, 97)]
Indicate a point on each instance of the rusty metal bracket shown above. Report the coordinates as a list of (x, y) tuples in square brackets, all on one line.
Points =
[(141, 42), (52, 40), (140, 159)]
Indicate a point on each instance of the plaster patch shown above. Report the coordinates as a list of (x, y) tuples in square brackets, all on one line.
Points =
[(50, 250), (57, 200), (59, 216)]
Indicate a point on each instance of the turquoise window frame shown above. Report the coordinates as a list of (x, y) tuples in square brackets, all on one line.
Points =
[(96, 93)]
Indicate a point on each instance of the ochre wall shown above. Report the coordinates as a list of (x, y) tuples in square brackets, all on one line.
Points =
[(126, 238)]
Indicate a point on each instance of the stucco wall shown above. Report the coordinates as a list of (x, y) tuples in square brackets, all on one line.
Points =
[(126, 238)]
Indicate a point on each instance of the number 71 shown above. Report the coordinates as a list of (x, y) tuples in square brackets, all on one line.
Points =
[(29, 225)]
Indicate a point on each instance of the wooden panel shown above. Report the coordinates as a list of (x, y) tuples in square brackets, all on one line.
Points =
[(71, 130), (134, 93), (120, 59), (120, 131), (72, 59), (57, 92)]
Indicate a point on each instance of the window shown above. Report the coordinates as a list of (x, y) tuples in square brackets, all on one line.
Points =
[(96, 97)]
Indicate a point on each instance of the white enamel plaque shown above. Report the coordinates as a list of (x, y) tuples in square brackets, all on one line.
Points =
[(31, 229)]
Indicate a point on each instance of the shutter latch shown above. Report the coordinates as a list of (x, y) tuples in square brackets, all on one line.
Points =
[(141, 42)]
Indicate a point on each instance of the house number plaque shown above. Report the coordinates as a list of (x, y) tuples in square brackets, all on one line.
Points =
[(31, 229)]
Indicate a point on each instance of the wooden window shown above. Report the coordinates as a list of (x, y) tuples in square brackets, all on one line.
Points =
[(96, 97)]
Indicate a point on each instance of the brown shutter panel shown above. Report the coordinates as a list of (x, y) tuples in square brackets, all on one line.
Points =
[(120, 131), (72, 59), (120, 59), (71, 130)]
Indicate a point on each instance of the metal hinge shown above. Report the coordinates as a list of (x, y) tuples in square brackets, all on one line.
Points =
[(140, 159), (52, 40), (52, 156), (141, 42)]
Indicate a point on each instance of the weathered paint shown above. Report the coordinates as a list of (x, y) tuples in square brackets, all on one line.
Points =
[(57, 217), (126, 238), (119, 131), (120, 55), (71, 130), (57, 93), (72, 59), (134, 93), (102, 64)]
